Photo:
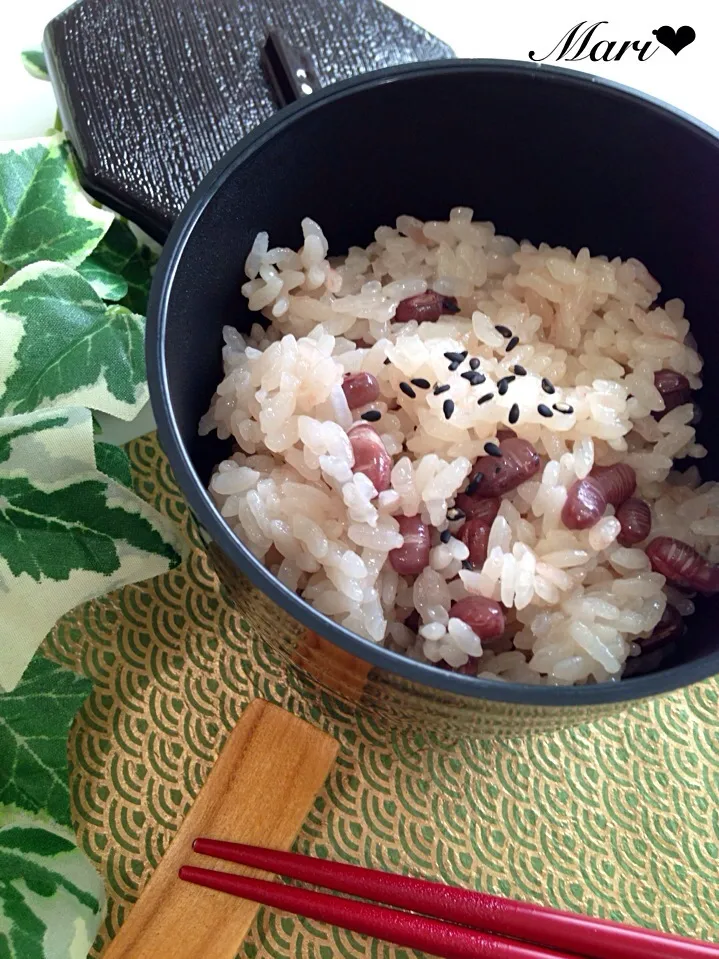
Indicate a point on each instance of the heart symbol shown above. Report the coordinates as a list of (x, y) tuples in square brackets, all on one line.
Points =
[(675, 40)]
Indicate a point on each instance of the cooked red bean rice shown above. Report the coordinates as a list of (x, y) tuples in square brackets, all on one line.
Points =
[(586, 336)]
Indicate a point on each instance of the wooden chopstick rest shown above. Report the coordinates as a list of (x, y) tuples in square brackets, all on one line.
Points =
[(260, 790)]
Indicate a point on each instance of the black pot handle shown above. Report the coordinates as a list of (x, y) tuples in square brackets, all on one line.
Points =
[(290, 72), (153, 92)]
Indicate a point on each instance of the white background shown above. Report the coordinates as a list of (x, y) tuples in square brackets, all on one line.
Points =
[(473, 28)]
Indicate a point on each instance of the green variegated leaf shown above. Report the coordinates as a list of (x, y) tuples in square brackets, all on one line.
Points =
[(34, 722), (44, 215), (114, 462), (120, 253), (65, 525), (34, 63), (51, 899), (107, 285), (61, 345)]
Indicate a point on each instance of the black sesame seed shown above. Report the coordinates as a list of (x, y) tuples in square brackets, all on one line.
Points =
[(519, 370), (491, 449), (407, 390), (513, 414), (466, 564), (547, 385), (512, 343), (544, 410), (484, 399), (445, 536), (420, 382), (563, 408), (497, 469), (454, 513), (504, 330), (448, 408), (503, 384), (473, 485), (474, 363), (475, 378), (456, 357), (441, 388), (454, 365), (387, 361), (372, 416)]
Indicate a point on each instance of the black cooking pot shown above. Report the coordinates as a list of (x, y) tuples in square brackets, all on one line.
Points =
[(544, 153)]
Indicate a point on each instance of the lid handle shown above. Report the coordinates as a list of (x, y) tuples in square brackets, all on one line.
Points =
[(289, 69)]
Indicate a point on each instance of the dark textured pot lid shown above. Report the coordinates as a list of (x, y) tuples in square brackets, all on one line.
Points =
[(153, 92)]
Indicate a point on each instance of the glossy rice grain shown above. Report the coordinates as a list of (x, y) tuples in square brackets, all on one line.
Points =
[(370, 456), (635, 518)]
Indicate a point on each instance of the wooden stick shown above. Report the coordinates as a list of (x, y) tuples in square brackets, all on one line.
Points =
[(260, 790)]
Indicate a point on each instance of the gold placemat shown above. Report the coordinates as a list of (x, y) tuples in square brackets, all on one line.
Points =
[(619, 818)]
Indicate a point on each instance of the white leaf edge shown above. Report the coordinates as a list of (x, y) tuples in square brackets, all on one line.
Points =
[(97, 396), (70, 927), (52, 459), (76, 201)]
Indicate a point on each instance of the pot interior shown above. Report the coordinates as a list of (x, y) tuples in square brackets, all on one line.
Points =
[(546, 155)]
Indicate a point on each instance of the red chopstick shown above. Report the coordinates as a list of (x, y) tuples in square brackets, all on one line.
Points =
[(401, 928), (550, 928)]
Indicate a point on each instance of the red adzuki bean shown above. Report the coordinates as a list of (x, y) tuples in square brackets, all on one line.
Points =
[(475, 536), (469, 668), (674, 388), (360, 389), (670, 627), (473, 507), (425, 307), (371, 458), (618, 482), (636, 521), (656, 648), (682, 565), (413, 622), (485, 616), (585, 504), (412, 557), (500, 474)]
